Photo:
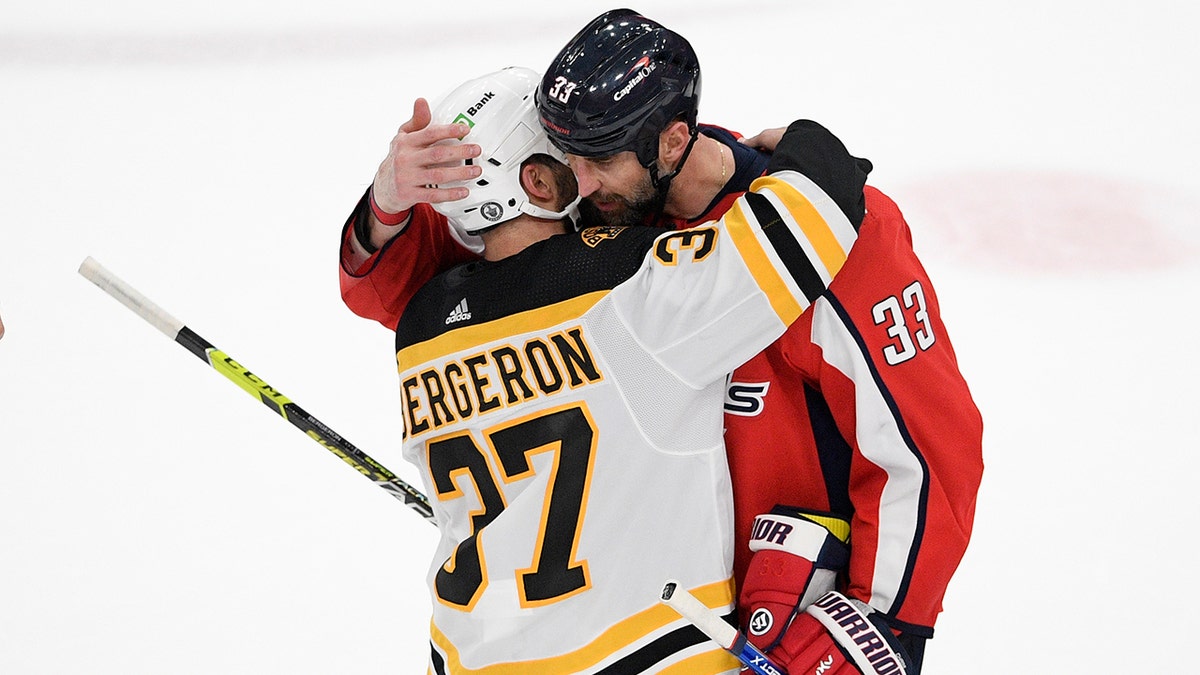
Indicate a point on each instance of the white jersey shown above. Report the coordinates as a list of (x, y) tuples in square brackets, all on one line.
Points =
[(564, 406)]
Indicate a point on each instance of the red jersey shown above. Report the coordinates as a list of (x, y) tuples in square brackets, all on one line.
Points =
[(380, 285), (858, 410)]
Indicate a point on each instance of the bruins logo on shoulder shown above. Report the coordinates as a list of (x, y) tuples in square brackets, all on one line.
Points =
[(592, 236)]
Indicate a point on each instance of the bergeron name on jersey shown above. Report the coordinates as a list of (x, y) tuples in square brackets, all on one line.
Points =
[(496, 378)]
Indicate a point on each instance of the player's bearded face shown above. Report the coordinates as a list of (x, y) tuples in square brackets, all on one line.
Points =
[(633, 207), (616, 189)]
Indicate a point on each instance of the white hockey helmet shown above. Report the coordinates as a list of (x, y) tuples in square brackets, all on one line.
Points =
[(499, 107)]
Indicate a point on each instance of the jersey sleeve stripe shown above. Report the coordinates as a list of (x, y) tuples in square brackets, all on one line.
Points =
[(786, 304), (826, 228), (791, 252), (885, 443)]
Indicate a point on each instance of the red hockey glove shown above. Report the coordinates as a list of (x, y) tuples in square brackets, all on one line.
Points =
[(839, 636), (797, 557), (795, 616)]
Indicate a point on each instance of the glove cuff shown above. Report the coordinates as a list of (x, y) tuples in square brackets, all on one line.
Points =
[(871, 645), (801, 537)]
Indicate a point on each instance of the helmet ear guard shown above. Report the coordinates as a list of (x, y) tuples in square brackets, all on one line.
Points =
[(499, 109)]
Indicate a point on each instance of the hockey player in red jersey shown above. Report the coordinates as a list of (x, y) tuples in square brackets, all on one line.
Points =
[(853, 441)]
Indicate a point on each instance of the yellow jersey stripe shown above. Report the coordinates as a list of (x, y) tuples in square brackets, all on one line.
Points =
[(811, 222), (784, 302), (631, 631), (505, 328)]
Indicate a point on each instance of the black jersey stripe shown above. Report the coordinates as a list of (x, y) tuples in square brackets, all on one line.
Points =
[(436, 660), (833, 451), (795, 259), (643, 659)]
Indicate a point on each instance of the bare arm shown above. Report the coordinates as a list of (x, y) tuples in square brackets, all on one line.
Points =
[(417, 159)]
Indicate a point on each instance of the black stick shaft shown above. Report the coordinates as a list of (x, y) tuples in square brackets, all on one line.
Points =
[(256, 387)]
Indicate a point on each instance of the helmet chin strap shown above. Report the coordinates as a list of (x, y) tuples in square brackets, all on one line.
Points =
[(470, 238), (571, 211), (662, 184)]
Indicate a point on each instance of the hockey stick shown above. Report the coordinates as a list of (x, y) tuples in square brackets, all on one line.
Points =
[(711, 624), (276, 401)]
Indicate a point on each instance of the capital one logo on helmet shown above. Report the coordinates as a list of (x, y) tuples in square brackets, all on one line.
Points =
[(644, 67), (641, 63)]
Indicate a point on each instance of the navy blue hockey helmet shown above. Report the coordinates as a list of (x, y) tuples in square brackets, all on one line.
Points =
[(616, 85)]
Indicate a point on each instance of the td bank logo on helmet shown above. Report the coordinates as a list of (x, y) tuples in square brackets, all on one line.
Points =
[(643, 68), (465, 118)]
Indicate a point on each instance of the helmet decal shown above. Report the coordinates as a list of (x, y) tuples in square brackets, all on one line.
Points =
[(499, 109), (644, 68), (491, 211)]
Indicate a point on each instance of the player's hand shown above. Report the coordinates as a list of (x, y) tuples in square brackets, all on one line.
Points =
[(420, 156), (765, 140), (839, 636)]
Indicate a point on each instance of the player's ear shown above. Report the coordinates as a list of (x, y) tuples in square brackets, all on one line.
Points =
[(672, 142), (539, 184)]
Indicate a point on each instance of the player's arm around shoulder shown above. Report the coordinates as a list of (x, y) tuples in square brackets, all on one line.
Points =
[(712, 296), (801, 219)]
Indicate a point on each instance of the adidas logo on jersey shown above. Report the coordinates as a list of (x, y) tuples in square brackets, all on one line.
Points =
[(459, 313)]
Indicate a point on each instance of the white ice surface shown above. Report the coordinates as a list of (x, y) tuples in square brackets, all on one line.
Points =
[(154, 519)]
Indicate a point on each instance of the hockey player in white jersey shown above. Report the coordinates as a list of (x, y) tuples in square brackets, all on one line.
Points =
[(563, 397)]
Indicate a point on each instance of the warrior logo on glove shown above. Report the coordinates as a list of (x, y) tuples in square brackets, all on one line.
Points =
[(867, 643), (760, 622)]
